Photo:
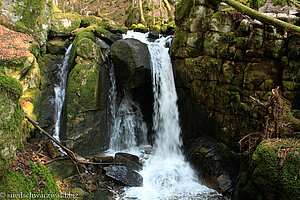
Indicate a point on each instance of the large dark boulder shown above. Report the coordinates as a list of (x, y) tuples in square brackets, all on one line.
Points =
[(124, 175), (131, 59), (217, 165), (84, 124), (131, 161)]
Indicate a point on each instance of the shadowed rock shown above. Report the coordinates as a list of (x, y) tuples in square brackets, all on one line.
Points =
[(131, 59), (124, 175), (131, 161)]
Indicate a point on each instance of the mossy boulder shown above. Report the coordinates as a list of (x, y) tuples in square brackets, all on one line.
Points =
[(56, 46), (25, 69), (131, 59), (274, 171), (106, 35), (218, 165), (64, 23), (85, 110), (110, 25), (141, 28), (91, 20), (19, 183), (83, 35), (84, 122), (29, 16), (221, 22), (11, 116)]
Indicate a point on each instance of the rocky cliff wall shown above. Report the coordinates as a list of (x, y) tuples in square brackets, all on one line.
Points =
[(221, 59)]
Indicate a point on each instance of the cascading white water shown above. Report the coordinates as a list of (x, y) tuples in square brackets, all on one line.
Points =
[(60, 91), (127, 127), (166, 174)]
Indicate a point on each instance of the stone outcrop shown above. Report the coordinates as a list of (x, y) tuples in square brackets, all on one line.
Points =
[(219, 166), (124, 175), (222, 58), (273, 173), (63, 24), (11, 115), (29, 16), (131, 59), (85, 126), (18, 54)]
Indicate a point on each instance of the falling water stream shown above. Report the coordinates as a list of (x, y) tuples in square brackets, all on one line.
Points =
[(166, 174), (60, 91)]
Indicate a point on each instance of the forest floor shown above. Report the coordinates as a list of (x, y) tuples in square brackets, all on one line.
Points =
[(14, 44)]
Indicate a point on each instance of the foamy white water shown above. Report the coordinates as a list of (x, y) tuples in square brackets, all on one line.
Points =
[(129, 129), (60, 91), (166, 174)]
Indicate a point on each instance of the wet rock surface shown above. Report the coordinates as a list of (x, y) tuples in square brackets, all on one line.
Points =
[(124, 175), (131, 59), (131, 161), (218, 166)]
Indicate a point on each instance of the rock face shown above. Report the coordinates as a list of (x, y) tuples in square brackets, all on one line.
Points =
[(219, 167), (85, 125), (18, 52), (131, 161), (11, 115), (64, 23), (28, 16), (124, 175), (131, 59), (45, 106), (274, 172), (56, 46), (220, 62)]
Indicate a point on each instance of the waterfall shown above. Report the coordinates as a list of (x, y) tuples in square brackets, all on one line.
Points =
[(128, 129), (60, 91), (166, 174)]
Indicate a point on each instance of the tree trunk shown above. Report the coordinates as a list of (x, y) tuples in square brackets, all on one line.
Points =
[(64, 5), (55, 3), (161, 13), (153, 19), (98, 8), (142, 13), (263, 18), (169, 10)]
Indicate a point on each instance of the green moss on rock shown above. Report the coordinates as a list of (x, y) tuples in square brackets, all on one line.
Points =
[(276, 167), (91, 20), (11, 116), (10, 86), (183, 9), (64, 23), (79, 37), (56, 46), (17, 182)]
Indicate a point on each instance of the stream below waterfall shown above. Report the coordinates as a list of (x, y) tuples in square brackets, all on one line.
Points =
[(166, 174)]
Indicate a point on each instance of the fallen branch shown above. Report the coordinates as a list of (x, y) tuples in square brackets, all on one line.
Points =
[(56, 159), (263, 18), (69, 152)]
